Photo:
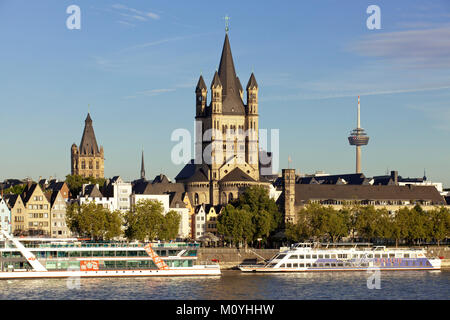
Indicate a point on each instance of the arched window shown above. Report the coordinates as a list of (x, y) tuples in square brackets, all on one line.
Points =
[(196, 198), (230, 197), (224, 198)]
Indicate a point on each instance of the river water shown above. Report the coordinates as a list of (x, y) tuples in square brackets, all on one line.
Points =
[(233, 285)]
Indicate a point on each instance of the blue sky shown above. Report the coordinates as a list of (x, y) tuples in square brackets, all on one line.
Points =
[(136, 63)]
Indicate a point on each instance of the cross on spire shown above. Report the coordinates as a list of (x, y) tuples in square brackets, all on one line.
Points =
[(227, 23)]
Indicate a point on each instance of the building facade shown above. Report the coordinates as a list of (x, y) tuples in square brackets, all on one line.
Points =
[(87, 160), (227, 141), (5, 216)]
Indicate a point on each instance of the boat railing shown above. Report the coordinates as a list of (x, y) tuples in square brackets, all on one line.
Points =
[(111, 245)]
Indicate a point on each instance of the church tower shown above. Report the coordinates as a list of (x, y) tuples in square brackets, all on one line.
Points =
[(88, 160)]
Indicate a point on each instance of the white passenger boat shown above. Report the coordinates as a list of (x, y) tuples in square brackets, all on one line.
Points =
[(305, 257), (61, 258)]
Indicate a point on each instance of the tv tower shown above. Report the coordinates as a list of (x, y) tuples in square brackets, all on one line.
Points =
[(358, 138)]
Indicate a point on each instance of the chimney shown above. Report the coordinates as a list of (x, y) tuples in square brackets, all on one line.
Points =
[(394, 176)]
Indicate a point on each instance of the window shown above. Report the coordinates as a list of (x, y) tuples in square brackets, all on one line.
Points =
[(293, 256), (327, 256), (320, 256), (308, 256)]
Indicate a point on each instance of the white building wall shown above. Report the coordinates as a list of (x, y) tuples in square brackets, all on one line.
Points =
[(163, 198), (5, 216)]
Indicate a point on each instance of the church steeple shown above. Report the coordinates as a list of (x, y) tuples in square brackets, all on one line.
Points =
[(88, 160), (142, 166), (88, 145), (231, 95)]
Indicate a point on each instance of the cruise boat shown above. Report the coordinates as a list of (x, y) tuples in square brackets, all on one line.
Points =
[(305, 257), (61, 258)]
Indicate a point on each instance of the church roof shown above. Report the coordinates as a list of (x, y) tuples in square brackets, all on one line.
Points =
[(252, 82), (216, 80), (88, 145), (201, 84), (232, 102), (237, 175)]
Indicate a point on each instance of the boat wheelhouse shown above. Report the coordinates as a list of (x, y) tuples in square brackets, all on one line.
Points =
[(303, 257), (71, 257)]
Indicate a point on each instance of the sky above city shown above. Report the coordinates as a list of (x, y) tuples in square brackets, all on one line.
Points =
[(135, 64)]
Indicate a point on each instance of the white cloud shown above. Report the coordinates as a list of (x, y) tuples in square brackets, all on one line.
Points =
[(134, 14), (423, 48)]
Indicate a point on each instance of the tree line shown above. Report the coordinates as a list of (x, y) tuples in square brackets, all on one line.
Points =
[(253, 217), (408, 225), (145, 222)]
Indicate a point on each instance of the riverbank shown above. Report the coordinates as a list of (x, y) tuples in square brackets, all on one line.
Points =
[(230, 258)]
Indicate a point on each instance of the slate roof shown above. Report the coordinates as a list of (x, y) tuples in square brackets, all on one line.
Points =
[(232, 103), (92, 191), (252, 82), (88, 144), (237, 175), (201, 84), (306, 192)]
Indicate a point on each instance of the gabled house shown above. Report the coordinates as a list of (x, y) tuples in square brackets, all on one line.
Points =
[(38, 210)]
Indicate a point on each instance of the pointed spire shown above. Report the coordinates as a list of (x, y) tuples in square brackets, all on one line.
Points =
[(142, 166), (252, 82), (216, 80), (239, 84), (88, 143), (227, 72), (201, 84)]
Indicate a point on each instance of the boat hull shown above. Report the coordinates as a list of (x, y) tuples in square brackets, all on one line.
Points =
[(275, 270), (194, 271)]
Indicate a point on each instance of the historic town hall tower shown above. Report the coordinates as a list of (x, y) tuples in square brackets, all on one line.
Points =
[(88, 160)]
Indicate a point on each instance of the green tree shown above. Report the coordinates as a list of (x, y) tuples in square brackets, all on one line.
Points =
[(144, 221), (236, 224), (440, 224), (170, 226), (75, 183), (93, 221), (17, 189), (262, 210)]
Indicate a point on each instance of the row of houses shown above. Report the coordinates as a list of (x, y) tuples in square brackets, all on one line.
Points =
[(196, 219), (41, 208), (38, 210)]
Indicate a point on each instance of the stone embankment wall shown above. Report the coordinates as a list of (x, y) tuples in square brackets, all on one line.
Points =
[(230, 258)]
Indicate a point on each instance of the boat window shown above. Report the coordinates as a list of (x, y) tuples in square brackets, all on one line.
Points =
[(294, 256), (327, 264), (132, 253), (86, 253), (314, 265), (370, 256), (333, 264), (109, 253), (281, 256), (377, 255), (406, 255), (308, 256), (302, 256), (289, 265), (302, 265), (385, 255), (295, 265), (333, 256), (399, 255), (308, 265), (391, 255), (97, 253), (282, 265), (314, 256), (121, 253), (327, 256), (340, 264), (320, 256)]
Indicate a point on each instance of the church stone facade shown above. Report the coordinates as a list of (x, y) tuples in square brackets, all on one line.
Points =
[(87, 160), (227, 143)]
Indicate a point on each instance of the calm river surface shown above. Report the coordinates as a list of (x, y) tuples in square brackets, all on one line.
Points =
[(235, 285)]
